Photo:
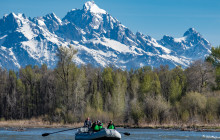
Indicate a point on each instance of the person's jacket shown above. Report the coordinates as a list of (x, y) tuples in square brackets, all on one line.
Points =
[(111, 126), (87, 123), (96, 127), (100, 126)]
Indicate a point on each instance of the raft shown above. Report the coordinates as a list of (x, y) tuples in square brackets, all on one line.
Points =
[(103, 134)]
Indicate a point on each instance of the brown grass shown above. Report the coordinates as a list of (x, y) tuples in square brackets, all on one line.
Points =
[(35, 123), (182, 127), (38, 123)]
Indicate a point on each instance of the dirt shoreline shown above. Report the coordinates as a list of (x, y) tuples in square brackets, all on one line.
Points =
[(20, 124)]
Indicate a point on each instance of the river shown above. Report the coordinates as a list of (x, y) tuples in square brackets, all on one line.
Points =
[(136, 134)]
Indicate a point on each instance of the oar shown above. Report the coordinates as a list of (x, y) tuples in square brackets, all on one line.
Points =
[(46, 134), (125, 133)]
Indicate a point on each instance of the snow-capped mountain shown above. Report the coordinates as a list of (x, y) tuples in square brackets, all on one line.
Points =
[(99, 38)]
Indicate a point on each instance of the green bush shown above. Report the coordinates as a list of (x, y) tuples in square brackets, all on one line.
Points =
[(136, 112), (2, 119), (156, 109), (211, 108), (185, 116), (194, 102)]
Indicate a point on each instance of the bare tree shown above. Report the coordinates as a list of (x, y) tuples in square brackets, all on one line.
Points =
[(200, 76)]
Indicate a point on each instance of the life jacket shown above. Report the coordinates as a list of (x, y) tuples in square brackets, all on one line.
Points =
[(96, 128), (101, 126), (111, 126)]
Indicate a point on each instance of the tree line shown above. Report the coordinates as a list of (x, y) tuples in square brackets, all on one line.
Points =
[(69, 93)]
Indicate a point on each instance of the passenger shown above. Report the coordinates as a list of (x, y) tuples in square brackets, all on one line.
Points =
[(93, 126), (100, 125), (96, 127), (87, 123), (111, 125)]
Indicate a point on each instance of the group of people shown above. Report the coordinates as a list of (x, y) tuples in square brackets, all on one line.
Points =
[(97, 125)]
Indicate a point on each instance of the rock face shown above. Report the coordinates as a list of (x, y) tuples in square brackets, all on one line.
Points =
[(100, 39)]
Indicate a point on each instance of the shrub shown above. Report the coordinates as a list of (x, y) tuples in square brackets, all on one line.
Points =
[(194, 103), (185, 116), (136, 112), (156, 109)]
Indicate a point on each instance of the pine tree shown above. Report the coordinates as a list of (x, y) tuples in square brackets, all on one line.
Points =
[(214, 58)]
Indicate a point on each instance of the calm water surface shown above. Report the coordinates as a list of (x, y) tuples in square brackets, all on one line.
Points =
[(136, 134)]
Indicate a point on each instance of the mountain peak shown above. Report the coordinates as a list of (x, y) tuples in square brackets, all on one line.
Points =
[(52, 16), (16, 16), (100, 39), (93, 8), (190, 31), (11, 15)]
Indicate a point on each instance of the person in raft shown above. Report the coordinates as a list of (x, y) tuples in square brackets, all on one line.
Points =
[(87, 123), (111, 125), (95, 126), (100, 124)]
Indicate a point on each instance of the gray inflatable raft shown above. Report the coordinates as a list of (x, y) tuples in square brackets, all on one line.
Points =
[(103, 134)]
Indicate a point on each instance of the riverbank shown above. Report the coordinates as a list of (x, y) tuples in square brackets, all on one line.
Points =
[(38, 123), (181, 127)]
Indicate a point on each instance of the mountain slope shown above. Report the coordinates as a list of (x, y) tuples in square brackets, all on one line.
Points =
[(99, 38)]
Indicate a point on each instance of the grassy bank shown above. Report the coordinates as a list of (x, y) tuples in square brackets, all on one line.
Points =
[(182, 127), (38, 123)]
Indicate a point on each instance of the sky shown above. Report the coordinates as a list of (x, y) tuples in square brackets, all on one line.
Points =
[(150, 17)]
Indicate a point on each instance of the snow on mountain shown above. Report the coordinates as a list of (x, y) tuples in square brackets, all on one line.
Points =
[(99, 38), (28, 43), (191, 45), (93, 8)]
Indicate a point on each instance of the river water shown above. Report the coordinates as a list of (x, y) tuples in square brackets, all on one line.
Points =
[(136, 134)]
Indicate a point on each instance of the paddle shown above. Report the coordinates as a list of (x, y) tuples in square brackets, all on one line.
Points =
[(46, 134), (125, 133)]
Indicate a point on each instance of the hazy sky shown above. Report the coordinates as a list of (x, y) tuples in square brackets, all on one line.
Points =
[(151, 17)]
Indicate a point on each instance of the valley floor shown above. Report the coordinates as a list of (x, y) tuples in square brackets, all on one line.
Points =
[(20, 125)]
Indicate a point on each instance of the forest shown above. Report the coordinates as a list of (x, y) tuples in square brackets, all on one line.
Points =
[(70, 93)]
